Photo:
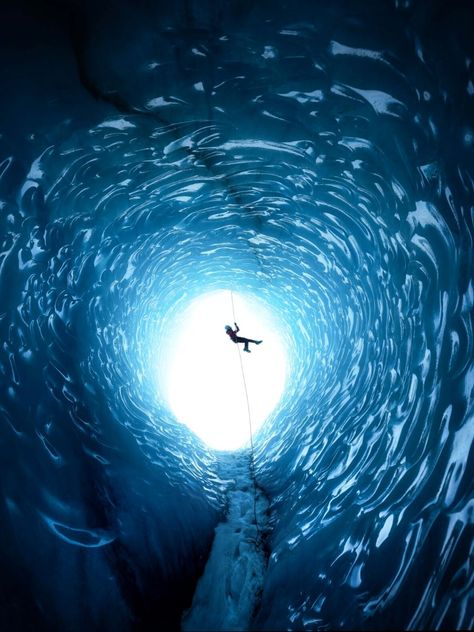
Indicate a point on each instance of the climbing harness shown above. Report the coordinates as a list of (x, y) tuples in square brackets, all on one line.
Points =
[(252, 453)]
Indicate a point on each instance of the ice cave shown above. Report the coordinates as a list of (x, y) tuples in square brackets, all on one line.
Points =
[(305, 169)]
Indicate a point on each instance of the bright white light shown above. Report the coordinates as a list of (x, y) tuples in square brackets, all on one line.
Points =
[(200, 374)]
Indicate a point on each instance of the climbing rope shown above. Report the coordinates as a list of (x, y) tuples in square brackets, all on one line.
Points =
[(252, 453)]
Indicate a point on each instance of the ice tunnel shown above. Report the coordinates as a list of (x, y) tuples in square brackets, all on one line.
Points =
[(316, 156)]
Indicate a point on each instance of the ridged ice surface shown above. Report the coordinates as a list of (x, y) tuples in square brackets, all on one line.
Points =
[(318, 155)]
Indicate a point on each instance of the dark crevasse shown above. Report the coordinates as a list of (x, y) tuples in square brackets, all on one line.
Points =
[(318, 155)]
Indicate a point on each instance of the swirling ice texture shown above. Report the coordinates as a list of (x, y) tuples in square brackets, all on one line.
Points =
[(319, 157)]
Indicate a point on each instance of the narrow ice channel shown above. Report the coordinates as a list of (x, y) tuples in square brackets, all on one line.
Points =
[(228, 593)]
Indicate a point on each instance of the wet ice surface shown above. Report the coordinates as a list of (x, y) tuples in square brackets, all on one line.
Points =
[(317, 155), (230, 589)]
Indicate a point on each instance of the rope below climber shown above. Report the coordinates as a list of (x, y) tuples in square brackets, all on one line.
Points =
[(233, 336)]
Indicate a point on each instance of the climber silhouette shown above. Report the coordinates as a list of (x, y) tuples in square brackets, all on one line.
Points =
[(235, 338)]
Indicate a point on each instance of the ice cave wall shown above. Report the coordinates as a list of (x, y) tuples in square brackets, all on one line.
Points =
[(316, 154)]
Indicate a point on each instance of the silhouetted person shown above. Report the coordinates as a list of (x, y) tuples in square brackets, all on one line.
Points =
[(235, 338)]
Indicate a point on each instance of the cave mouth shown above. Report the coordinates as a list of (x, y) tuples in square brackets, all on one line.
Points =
[(199, 374)]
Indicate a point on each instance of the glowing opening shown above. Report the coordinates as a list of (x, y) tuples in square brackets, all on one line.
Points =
[(200, 374)]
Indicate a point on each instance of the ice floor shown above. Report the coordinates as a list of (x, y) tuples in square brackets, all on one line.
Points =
[(228, 593)]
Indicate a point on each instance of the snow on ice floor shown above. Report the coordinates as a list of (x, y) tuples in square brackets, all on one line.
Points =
[(228, 592)]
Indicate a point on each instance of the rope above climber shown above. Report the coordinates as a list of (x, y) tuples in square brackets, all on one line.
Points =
[(232, 333)]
